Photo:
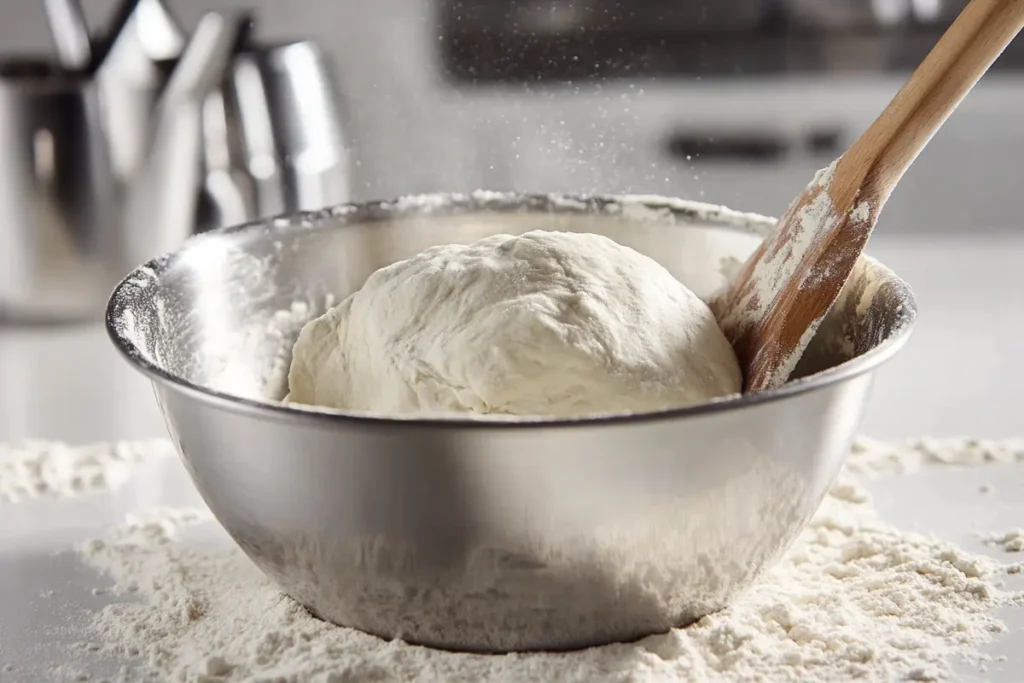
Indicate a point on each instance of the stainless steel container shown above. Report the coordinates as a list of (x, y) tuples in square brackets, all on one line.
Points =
[(69, 228), (143, 34), (274, 137), (58, 195), (286, 108), (487, 535)]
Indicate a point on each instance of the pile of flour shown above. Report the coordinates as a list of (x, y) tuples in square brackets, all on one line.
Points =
[(34, 468), (854, 597)]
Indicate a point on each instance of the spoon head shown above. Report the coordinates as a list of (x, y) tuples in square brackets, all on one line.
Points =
[(773, 307)]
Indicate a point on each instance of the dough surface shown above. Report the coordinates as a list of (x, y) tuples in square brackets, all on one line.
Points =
[(545, 323)]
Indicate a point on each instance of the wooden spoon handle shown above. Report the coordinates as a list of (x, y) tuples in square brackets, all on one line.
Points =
[(877, 161)]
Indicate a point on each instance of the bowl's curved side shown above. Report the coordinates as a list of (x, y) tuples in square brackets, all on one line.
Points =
[(488, 535), (508, 539)]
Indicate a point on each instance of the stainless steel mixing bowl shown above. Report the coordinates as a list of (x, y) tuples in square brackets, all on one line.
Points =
[(490, 535)]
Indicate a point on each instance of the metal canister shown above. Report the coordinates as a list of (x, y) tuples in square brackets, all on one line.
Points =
[(279, 121), (58, 195)]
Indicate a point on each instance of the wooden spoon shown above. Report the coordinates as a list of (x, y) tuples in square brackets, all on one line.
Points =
[(771, 309)]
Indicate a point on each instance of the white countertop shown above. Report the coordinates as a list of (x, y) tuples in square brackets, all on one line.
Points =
[(959, 375)]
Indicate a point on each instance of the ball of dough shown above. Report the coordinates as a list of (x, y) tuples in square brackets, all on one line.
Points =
[(545, 323)]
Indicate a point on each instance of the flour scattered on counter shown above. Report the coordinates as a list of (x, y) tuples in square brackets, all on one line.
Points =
[(854, 598), (1010, 541), (31, 469), (872, 457)]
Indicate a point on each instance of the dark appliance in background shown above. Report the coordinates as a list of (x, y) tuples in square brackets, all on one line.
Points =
[(561, 40), (731, 101)]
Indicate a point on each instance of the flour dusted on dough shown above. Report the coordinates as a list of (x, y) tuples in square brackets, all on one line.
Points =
[(546, 323)]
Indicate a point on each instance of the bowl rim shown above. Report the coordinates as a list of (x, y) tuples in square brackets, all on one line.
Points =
[(440, 204)]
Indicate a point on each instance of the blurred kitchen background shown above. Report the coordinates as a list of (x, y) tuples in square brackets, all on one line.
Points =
[(729, 101)]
